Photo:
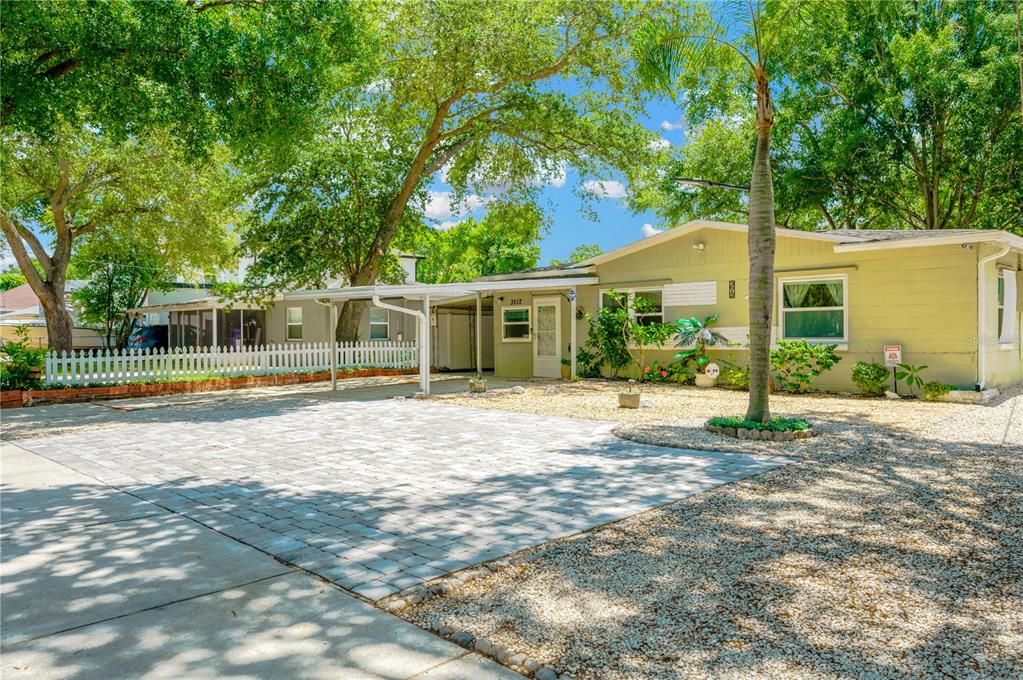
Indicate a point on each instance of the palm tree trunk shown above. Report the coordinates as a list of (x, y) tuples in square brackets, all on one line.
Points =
[(761, 245)]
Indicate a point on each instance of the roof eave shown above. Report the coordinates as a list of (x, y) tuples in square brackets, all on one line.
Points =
[(980, 236)]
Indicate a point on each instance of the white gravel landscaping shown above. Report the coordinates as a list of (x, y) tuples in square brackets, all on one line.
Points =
[(893, 549)]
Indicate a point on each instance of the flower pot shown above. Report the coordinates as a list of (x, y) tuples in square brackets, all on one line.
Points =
[(704, 380), (628, 400), (566, 372), (477, 386)]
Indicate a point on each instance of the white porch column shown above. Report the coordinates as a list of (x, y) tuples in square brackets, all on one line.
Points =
[(479, 334), (424, 347), (333, 346), (572, 325), (215, 328)]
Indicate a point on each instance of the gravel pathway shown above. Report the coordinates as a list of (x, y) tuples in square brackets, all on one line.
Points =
[(895, 549)]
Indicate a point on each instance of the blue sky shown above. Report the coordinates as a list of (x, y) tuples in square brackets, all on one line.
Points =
[(615, 224)]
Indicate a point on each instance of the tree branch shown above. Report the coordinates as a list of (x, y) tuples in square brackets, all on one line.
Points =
[(12, 234)]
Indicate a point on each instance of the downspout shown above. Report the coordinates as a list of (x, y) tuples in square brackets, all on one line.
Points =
[(424, 329), (982, 314)]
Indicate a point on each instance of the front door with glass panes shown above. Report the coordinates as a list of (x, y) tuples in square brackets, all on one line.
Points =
[(547, 337)]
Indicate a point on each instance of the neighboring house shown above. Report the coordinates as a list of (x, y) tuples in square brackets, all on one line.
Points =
[(188, 311), (20, 307)]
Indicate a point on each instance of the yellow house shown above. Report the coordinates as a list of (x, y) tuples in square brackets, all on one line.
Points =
[(948, 298)]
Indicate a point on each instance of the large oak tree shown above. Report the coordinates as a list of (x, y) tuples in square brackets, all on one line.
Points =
[(499, 95)]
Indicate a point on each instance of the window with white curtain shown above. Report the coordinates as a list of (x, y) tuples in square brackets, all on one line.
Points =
[(814, 308), (1007, 322), (379, 324)]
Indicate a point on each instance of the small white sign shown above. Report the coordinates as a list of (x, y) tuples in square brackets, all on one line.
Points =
[(712, 370), (691, 293), (892, 355)]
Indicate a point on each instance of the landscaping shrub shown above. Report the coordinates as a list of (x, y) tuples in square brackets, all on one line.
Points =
[(798, 362), (910, 374), (21, 364), (776, 424), (607, 343), (870, 377), (733, 377), (675, 371), (936, 389)]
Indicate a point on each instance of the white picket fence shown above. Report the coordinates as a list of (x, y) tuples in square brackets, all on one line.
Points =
[(139, 365)]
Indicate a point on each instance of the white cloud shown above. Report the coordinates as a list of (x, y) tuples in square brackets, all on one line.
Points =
[(660, 143), (648, 230), (605, 188), (449, 224), (668, 125), (440, 206)]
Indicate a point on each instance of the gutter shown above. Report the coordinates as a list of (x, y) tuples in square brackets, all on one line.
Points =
[(982, 313), (424, 337)]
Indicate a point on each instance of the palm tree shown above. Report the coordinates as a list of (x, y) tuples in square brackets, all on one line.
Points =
[(701, 50)]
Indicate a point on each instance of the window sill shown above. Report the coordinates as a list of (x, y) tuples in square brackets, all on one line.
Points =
[(516, 339), (1006, 346)]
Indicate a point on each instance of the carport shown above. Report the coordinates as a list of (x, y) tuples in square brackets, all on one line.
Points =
[(428, 295)]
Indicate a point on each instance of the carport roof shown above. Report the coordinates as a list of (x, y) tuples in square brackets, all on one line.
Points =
[(437, 291)]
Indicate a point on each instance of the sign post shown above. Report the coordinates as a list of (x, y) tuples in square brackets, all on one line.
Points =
[(892, 358)]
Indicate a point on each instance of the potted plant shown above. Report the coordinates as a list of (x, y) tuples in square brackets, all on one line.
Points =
[(694, 337), (477, 384), (630, 397), (566, 369)]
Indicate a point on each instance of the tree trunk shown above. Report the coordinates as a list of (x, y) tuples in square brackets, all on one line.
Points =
[(59, 326), (761, 245), (348, 320)]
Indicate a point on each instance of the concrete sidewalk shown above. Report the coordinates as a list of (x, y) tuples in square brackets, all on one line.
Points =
[(97, 583)]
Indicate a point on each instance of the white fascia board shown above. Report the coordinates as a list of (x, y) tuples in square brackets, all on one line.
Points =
[(981, 236), (696, 225), (438, 291)]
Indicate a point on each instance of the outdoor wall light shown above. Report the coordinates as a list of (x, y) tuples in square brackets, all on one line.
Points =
[(580, 312), (699, 246)]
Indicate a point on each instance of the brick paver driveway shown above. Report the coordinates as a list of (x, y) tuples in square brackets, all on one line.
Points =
[(381, 495)]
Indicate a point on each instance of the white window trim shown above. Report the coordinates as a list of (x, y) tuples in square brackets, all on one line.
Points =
[(631, 297), (528, 322), (843, 342), (1002, 273), (288, 323), (386, 324)]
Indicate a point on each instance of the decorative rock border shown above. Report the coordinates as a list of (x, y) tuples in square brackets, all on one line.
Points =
[(445, 585), (763, 435)]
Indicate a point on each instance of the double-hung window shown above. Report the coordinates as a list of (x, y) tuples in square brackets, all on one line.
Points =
[(515, 324), (294, 322), (645, 305), (379, 324), (815, 309)]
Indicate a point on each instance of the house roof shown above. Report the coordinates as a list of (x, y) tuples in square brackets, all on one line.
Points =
[(844, 240), (19, 297)]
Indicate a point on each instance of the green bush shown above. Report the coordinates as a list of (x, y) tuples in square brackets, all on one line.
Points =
[(870, 377), (21, 365), (797, 362), (936, 389), (733, 377), (607, 344), (774, 424), (910, 374)]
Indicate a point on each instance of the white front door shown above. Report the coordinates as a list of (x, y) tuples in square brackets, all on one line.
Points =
[(547, 337)]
